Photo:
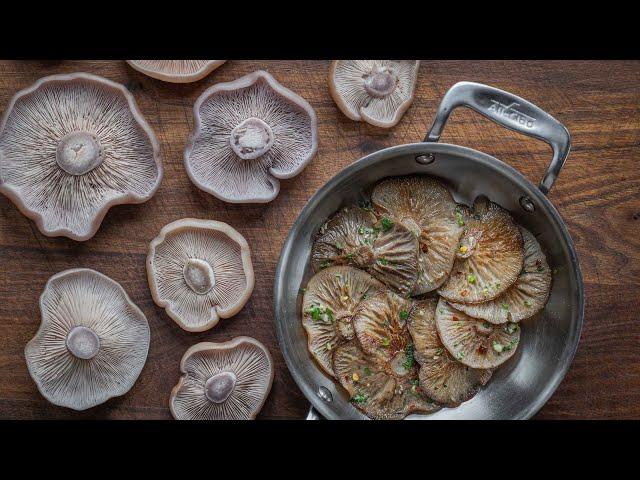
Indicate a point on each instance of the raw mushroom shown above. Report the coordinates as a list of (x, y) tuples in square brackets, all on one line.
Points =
[(425, 206), (248, 134), (387, 250), (374, 91), (375, 388), (442, 378), (176, 71), (92, 342), (223, 381), (526, 297), (71, 147), (199, 271), (380, 325), (475, 343), (328, 304), (490, 256)]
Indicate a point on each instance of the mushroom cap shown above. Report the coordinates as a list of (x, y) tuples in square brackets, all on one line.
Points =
[(199, 271), (92, 342), (475, 343), (353, 237), (71, 147), (176, 71), (374, 91), (442, 378), (329, 302), (524, 298), (375, 389), (248, 134), (425, 206), (223, 381), (493, 256)]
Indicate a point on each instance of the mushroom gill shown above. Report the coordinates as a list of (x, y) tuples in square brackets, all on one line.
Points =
[(425, 206), (223, 381), (442, 378), (330, 298), (248, 134), (176, 71), (475, 343), (490, 256), (92, 342), (374, 91), (524, 298), (71, 147), (199, 271)]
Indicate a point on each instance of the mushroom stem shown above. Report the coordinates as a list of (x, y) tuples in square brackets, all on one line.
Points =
[(380, 82), (83, 343), (79, 153), (218, 387), (251, 138), (199, 276)]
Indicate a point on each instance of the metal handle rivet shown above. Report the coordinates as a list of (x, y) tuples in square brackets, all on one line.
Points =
[(527, 204), (325, 394), (425, 159)]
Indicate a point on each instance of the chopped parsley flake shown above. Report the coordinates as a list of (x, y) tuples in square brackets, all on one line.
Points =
[(385, 342), (386, 224), (367, 371), (504, 306), (459, 219), (383, 261), (339, 246), (325, 263), (404, 314), (471, 278), (498, 347), (360, 398), (409, 360), (527, 303)]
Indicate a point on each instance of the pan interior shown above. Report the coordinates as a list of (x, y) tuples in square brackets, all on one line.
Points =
[(523, 384)]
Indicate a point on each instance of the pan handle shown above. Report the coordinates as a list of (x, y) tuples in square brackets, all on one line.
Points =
[(313, 414), (511, 112)]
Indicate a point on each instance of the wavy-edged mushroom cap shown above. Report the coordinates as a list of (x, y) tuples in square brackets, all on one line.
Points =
[(442, 378), (490, 256), (248, 134), (329, 301), (374, 91), (71, 147), (374, 386), (176, 71), (524, 298), (353, 237), (425, 206), (475, 343), (223, 381), (199, 271), (92, 342)]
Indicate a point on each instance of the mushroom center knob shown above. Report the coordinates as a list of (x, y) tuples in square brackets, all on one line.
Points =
[(397, 364), (218, 387), (83, 342), (380, 82), (79, 153), (251, 138), (199, 276), (484, 328)]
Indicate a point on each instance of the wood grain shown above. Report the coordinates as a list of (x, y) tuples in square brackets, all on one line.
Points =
[(598, 195)]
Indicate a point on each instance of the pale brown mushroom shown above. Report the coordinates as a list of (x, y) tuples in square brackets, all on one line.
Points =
[(329, 301), (425, 206), (176, 71), (387, 250), (199, 271), (248, 134), (442, 377), (475, 343), (524, 298), (223, 381), (71, 147), (374, 91), (92, 342), (490, 256)]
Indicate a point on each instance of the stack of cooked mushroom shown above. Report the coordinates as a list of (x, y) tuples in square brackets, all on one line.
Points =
[(417, 299)]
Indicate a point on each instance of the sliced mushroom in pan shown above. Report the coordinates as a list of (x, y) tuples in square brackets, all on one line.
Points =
[(490, 256), (475, 343), (329, 301), (442, 377), (425, 206), (526, 297)]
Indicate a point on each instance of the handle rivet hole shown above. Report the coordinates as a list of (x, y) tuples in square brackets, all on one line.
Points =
[(425, 159), (527, 204), (325, 394)]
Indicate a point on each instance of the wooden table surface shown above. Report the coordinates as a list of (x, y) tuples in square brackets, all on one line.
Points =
[(597, 194)]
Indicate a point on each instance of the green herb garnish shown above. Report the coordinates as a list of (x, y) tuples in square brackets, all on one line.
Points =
[(367, 371), (404, 314), (360, 398), (471, 278), (409, 358), (383, 261), (459, 219), (504, 306), (385, 342), (527, 303), (386, 224)]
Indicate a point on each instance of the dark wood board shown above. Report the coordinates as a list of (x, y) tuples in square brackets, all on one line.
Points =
[(598, 195)]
